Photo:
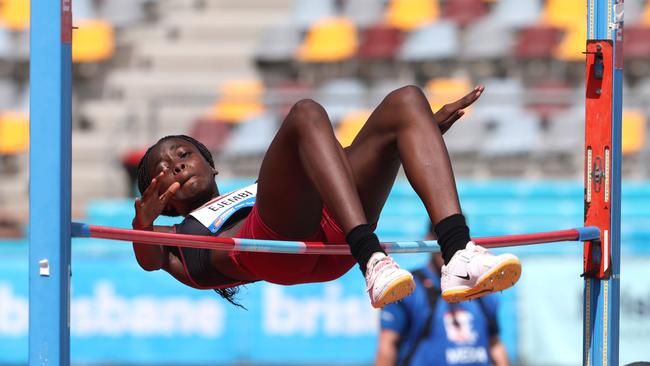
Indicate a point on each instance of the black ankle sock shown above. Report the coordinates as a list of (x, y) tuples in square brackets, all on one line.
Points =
[(363, 244), (453, 235)]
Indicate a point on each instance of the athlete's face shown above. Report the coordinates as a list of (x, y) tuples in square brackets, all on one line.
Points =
[(180, 161)]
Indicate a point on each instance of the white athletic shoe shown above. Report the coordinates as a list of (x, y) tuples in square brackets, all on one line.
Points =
[(386, 282), (474, 272)]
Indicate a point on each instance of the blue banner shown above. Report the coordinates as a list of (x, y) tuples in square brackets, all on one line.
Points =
[(121, 314)]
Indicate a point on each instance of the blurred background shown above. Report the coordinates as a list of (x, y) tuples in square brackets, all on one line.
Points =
[(226, 72)]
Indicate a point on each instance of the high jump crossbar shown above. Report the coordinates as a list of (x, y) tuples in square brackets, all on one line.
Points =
[(300, 247), (50, 181)]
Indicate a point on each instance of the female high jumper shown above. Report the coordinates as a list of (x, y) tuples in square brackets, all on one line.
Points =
[(311, 189)]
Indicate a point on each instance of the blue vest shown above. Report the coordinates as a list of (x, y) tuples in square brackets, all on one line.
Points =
[(460, 333)]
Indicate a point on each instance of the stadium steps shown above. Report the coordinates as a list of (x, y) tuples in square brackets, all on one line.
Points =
[(195, 55), (127, 84), (238, 24)]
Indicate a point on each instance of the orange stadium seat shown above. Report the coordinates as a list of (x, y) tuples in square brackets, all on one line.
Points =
[(93, 41), (444, 90), (634, 131), (329, 40), (350, 125), (569, 16), (564, 14), (15, 14), (410, 14), (238, 100), (572, 44), (14, 133)]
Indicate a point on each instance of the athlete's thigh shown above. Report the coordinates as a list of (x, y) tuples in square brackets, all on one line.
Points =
[(375, 162), (286, 199)]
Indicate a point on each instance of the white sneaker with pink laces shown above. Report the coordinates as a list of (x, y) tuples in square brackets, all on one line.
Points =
[(473, 272), (386, 282)]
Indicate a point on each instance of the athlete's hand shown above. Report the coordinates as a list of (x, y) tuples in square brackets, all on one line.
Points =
[(450, 113), (150, 205)]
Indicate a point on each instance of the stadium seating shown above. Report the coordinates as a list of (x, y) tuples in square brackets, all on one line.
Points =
[(329, 40), (364, 13), (350, 125), (634, 12), (564, 135), (341, 96), (212, 133), (564, 14), (464, 12), (487, 40), (515, 14), (572, 46), (441, 91), (83, 10), (122, 13), (172, 63), (278, 44), (381, 87), (430, 42), (251, 137), (304, 13), (549, 97), (636, 48), (7, 94), (238, 100), (93, 41), (408, 15), (634, 131), (536, 42), (14, 133), (380, 42), (14, 14)]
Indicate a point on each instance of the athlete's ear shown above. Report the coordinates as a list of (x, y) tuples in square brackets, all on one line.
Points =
[(215, 171)]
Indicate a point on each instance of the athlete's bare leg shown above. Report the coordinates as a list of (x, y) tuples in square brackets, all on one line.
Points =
[(304, 167), (404, 130)]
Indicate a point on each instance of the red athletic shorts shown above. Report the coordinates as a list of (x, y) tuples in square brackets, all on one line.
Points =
[(291, 269)]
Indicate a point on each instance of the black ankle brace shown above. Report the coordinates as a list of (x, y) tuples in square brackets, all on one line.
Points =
[(453, 235), (363, 244)]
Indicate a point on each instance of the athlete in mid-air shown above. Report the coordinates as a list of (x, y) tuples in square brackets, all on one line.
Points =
[(309, 188)]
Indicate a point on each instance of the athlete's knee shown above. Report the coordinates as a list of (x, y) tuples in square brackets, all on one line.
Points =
[(308, 109), (409, 96), (308, 114)]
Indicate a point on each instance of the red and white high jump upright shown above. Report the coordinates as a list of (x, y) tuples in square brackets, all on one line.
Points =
[(604, 85)]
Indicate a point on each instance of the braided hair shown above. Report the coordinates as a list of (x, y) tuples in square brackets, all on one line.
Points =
[(144, 180)]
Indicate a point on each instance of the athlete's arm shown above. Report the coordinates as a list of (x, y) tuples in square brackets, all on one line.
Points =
[(387, 348), (149, 256), (147, 209), (498, 352)]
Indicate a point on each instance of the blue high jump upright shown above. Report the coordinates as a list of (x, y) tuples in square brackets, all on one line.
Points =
[(604, 81), (49, 185)]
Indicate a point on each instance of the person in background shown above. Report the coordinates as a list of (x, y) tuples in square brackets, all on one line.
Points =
[(424, 329)]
